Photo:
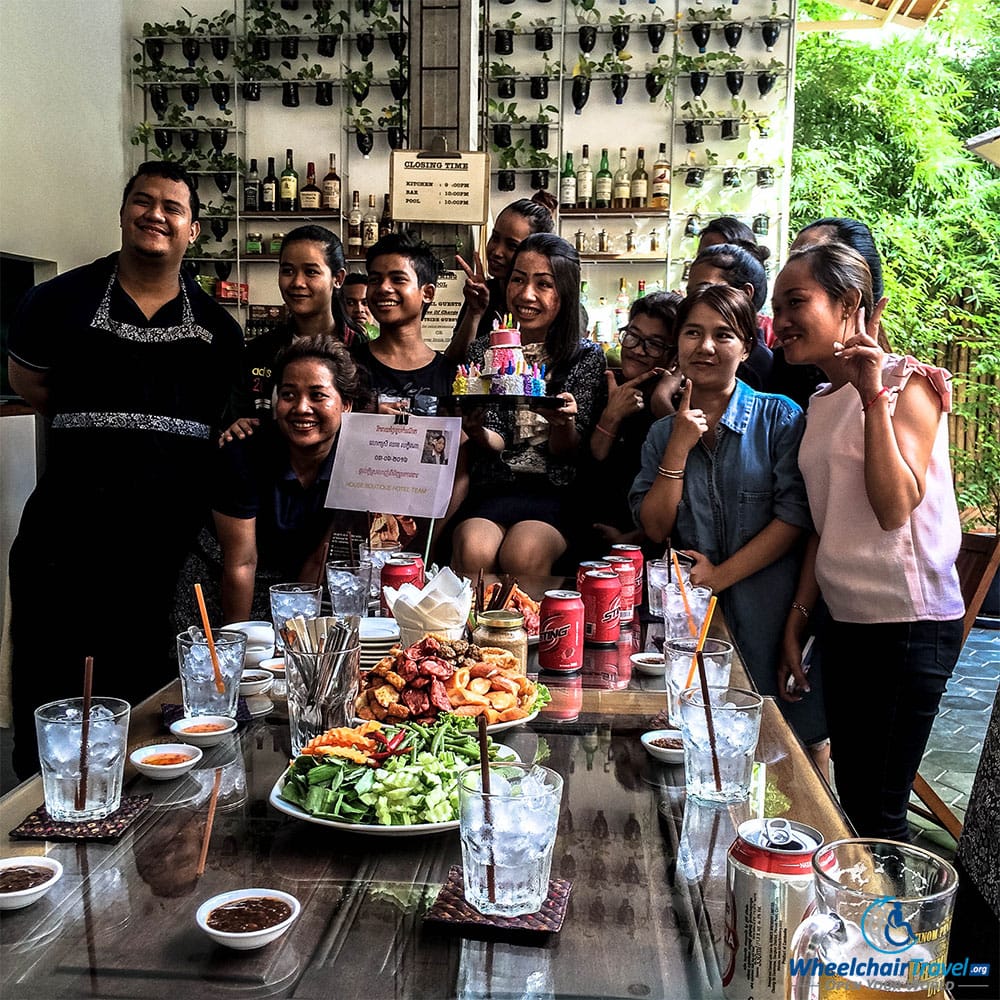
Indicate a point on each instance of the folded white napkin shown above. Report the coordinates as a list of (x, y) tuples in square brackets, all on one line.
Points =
[(442, 606)]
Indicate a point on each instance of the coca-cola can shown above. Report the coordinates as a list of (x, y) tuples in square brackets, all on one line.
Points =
[(418, 559), (634, 552), (560, 631), (625, 569), (395, 573), (594, 566), (602, 599), (769, 886)]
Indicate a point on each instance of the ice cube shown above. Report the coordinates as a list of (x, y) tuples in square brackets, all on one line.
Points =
[(101, 713)]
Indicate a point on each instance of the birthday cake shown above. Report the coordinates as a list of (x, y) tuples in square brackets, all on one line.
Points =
[(504, 371)]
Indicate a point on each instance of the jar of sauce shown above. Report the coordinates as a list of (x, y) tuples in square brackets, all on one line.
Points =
[(505, 630), (255, 243), (275, 245)]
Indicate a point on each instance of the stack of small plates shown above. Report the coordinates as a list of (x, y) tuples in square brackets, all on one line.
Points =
[(378, 636)]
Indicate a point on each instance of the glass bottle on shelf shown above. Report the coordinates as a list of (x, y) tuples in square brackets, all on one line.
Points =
[(640, 291), (354, 226), (639, 187), (621, 304), (603, 183), (369, 225), (331, 189), (621, 190), (251, 189), (385, 224), (585, 181), (269, 189), (567, 184), (288, 191), (310, 196), (660, 194), (584, 294)]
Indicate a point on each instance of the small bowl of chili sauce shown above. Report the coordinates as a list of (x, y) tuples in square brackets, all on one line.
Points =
[(666, 745), (26, 879), (165, 761), (203, 730), (246, 919)]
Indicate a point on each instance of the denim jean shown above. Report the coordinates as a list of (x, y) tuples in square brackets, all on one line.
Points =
[(882, 687)]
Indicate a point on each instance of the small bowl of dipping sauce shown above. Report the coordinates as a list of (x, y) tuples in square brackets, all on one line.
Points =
[(165, 761), (25, 880), (651, 664), (246, 919), (666, 745), (255, 682), (203, 730)]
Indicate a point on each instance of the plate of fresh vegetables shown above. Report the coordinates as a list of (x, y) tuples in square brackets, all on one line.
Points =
[(389, 780)]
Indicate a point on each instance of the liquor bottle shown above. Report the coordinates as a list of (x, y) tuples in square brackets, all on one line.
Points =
[(567, 184), (354, 226), (603, 183), (639, 188), (640, 289), (369, 225), (385, 223), (310, 196), (585, 181), (269, 189), (621, 304), (660, 194), (288, 188), (331, 189), (621, 188), (251, 189)]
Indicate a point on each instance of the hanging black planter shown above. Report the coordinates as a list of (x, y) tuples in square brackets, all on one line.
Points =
[(586, 36), (191, 48), (398, 86), (506, 179), (223, 269), (219, 228), (765, 83), (692, 225), (219, 137), (220, 47), (619, 36), (189, 138), (619, 86), (220, 94), (733, 32), (539, 87), (538, 135), (154, 49), (695, 177), (190, 93), (656, 32), (543, 39), (540, 179), (765, 177), (700, 34), (290, 94), (397, 43), (326, 46), (290, 47), (654, 84), (365, 43), (396, 136), (359, 90), (503, 41), (699, 81), (250, 89), (506, 86), (324, 93), (159, 98), (501, 135), (364, 141), (734, 81), (731, 178), (769, 32), (693, 133), (261, 48), (163, 138), (580, 92), (731, 128), (761, 225)]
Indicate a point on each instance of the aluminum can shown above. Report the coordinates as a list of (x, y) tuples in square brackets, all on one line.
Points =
[(634, 552), (593, 566), (418, 559), (602, 598), (395, 573), (625, 568), (560, 631), (769, 886)]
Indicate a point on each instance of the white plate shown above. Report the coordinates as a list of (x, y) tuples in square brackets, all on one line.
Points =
[(258, 705), (651, 664), (378, 629), (378, 829)]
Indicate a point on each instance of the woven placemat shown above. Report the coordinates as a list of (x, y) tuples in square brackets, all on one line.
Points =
[(172, 713), (39, 825), (451, 908)]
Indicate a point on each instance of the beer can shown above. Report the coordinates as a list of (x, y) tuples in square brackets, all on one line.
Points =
[(625, 568), (560, 631), (395, 573), (594, 566), (769, 886), (634, 552), (602, 598), (418, 559)]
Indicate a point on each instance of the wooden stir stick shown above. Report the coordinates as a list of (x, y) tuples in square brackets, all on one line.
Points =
[(209, 822), (484, 769), (88, 684), (709, 721), (220, 685)]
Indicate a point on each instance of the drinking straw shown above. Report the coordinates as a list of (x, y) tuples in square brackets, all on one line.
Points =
[(709, 722), (88, 684), (209, 821), (668, 555), (484, 770), (701, 639), (207, 628), (684, 596)]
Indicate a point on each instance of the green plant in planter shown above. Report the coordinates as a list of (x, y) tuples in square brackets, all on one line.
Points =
[(538, 159), (662, 70), (500, 112), (153, 72), (544, 117), (270, 22), (327, 22), (313, 72), (361, 119), (614, 62), (510, 24), (221, 24), (499, 68), (715, 14), (586, 11), (511, 157), (359, 81), (552, 68), (621, 17), (709, 62), (393, 115)]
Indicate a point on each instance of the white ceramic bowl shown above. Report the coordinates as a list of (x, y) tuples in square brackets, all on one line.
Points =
[(649, 663), (25, 897), (255, 682), (276, 665), (165, 772), (660, 753), (260, 635), (251, 939), (180, 730)]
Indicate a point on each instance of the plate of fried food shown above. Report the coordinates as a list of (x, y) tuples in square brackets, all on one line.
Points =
[(508, 596), (438, 675)]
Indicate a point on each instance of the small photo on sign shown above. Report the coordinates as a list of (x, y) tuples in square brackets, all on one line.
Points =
[(435, 448)]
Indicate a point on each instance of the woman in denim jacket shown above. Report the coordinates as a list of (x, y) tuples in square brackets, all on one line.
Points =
[(720, 477)]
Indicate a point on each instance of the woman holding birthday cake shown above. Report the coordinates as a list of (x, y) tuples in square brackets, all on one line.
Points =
[(516, 517)]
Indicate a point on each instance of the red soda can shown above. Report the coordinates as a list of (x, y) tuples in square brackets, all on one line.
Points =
[(560, 631), (418, 559), (395, 573), (594, 566), (625, 569), (769, 887), (634, 552), (602, 598)]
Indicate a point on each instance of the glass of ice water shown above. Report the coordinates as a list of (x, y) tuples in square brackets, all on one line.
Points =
[(199, 691), (736, 724), (508, 836), (676, 622), (378, 556), (678, 655), (657, 574), (349, 584), (59, 727), (290, 600)]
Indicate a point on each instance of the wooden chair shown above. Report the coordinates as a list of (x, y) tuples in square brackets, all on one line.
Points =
[(977, 564)]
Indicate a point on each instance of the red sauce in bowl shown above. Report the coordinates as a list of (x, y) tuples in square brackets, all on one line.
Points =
[(206, 727), (166, 759)]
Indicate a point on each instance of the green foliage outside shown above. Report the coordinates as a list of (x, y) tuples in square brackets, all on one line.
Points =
[(879, 136)]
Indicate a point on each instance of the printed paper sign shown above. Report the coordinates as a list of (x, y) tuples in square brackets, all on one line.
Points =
[(453, 188), (408, 468)]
